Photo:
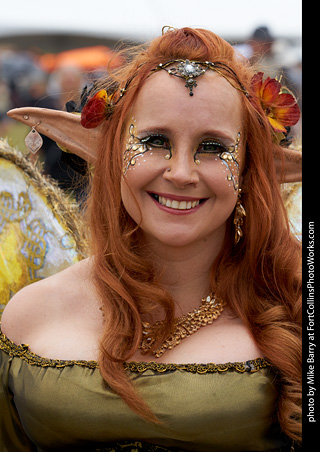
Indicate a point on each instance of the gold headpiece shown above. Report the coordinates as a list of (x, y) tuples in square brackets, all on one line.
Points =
[(190, 70)]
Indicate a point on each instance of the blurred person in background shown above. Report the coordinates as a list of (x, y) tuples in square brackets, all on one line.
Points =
[(267, 54), (24, 82), (277, 58), (258, 49), (63, 84)]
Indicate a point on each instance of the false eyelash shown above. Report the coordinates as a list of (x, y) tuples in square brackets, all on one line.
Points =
[(152, 135), (145, 140), (220, 148)]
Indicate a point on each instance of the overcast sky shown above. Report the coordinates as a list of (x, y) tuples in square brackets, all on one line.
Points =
[(145, 18)]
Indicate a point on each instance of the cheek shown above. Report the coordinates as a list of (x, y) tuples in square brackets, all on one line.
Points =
[(135, 178), (222, 174), (140, 163), (232, 163), (130, 200), (231, 170)]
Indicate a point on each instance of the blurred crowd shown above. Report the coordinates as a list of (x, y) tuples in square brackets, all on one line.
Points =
[(276, 58), (26, 81)]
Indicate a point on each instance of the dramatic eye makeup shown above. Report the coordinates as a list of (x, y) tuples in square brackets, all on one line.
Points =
[(156, 140), (137, 146), (229, 156), (211, 147)]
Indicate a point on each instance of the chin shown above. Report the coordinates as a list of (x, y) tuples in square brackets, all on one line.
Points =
[(181, 238)]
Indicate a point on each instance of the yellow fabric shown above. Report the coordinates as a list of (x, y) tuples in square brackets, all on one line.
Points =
[(51, 405), (40, 228)]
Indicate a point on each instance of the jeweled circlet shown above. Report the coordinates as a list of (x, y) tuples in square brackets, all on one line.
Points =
[(209, 310), (189, 70)]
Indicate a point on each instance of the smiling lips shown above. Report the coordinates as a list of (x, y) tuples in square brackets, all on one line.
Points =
[(177, 204)]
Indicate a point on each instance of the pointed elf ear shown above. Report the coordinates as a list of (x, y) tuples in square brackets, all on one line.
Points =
[(289, 167), (63, 128)]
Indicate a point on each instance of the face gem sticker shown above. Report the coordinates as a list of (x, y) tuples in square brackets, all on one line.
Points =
[(134, 149), (230, 158), (137, 147)]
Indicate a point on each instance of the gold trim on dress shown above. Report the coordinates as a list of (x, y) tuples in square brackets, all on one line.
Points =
[(22, 351)]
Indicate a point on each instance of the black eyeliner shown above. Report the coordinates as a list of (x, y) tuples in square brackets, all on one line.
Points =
[(145, 140)]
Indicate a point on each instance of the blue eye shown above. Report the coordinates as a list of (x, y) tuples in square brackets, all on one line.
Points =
[(156, 141)]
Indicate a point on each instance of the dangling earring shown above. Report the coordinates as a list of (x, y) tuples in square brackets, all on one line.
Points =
[(239, 215), (33, 140)]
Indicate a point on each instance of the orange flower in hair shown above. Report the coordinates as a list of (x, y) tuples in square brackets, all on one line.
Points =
[(279, 105), (97, 109)]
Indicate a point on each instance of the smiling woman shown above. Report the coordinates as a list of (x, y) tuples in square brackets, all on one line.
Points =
[(182, 329), (178, 161)]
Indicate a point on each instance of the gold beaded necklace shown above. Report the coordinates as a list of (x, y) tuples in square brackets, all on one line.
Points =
[(184, 326)]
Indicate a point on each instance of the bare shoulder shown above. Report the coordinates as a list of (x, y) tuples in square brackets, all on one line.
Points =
[(37, 304)]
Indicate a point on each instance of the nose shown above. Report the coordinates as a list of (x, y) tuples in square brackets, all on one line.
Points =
[(182, 170)]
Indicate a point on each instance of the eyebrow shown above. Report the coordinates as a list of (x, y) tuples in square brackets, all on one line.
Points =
[(155, 129), (204, 135)]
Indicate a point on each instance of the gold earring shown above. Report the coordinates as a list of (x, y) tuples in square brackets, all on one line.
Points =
[(239, 215), (33, 140)]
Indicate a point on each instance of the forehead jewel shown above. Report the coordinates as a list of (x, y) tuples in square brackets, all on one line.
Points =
[(190, 70)]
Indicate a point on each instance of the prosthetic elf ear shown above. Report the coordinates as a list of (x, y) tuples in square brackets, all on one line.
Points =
[(63, 128), (289, 167)]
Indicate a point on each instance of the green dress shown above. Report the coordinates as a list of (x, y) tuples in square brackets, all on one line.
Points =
[(55, 405)]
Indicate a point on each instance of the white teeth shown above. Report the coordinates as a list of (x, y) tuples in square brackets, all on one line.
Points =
[(182, 205)]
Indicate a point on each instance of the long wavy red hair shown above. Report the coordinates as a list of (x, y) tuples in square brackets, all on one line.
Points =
[(259, 278)]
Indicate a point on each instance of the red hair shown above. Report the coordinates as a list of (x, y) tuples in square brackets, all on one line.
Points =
[(259, 278)]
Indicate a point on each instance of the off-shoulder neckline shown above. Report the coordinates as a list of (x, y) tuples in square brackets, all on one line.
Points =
[(22, 351)]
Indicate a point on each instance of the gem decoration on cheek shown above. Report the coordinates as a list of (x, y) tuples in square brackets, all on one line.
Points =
[(230, 158), (134, 149)]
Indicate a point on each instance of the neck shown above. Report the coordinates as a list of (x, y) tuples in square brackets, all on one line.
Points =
[(185, 271)]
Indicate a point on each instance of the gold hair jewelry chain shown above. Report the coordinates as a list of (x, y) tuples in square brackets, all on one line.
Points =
[(184, 326)]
